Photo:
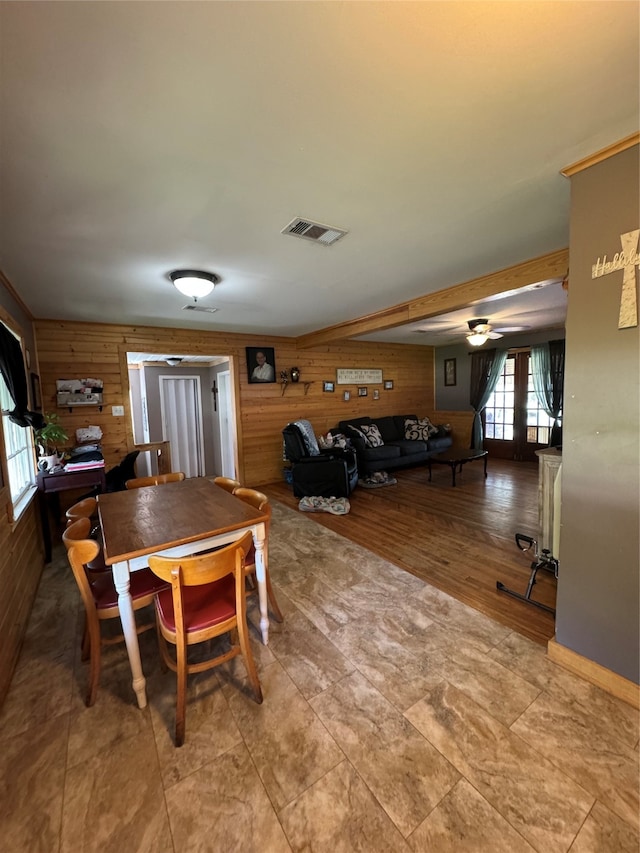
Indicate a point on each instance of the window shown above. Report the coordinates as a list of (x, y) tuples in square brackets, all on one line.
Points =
[(19, 452)]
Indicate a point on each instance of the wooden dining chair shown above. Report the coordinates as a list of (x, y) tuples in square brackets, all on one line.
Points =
[(155, 480), (260, 501), (100, 597), (83, 528), (207, 598), (86, 508), (227, 483)]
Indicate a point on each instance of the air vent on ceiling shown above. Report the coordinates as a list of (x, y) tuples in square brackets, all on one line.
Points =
[(314, 231), (202, 308)]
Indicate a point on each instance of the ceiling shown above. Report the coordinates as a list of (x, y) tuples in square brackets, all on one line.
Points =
[(137, 138)]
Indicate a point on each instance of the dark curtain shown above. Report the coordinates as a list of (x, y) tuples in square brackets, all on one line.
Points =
[(13, 373), (547, 367), (486, 367)]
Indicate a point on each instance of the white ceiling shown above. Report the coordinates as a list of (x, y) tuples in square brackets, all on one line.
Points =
[(137, 138)]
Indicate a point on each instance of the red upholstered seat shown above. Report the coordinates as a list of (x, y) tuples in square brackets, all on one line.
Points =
[(204, 606), (143, 584)]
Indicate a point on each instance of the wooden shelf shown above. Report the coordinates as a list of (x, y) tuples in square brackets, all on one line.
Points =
[(306, 386)]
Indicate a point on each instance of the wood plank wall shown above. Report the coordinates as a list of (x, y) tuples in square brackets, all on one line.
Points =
[(78, 350), (21, 561)]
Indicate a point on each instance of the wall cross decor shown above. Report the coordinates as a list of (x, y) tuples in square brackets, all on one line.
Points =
[(627, 260)]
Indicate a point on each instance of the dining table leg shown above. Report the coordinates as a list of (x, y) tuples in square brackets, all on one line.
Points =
[(127, 618), (261, 578)]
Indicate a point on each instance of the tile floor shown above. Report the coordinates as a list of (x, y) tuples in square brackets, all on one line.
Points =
[(395, 719)]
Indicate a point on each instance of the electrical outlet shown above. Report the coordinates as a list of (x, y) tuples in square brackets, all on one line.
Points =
[(117, 411)]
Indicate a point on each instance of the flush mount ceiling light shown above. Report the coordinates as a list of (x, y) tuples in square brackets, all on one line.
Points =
[(173, 361), (194, 283)]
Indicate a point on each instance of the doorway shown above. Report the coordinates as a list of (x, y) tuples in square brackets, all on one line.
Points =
[(181, 414), (515, 425), (198, 415)]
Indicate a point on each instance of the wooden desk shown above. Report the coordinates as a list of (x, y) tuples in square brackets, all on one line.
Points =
[(175, 519), (63, 481)]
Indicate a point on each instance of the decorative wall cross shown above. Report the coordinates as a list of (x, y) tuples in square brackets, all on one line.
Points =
[(627, 260)]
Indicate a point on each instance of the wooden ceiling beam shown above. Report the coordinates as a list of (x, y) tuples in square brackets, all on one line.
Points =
[(551, 265)]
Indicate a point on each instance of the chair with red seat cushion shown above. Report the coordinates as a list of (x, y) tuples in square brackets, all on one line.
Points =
[(260, 501), (207, 598), (100, 597)]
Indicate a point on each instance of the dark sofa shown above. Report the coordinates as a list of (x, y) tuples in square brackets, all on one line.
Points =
[(397, 451)]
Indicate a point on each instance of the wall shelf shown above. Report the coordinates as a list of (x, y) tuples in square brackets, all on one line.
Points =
[(305, 385)]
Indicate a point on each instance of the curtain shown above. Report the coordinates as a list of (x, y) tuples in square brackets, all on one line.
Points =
[(13, 373), (486, 367), (547, 367)]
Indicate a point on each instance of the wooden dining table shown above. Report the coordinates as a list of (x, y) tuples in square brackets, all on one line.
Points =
[(175, 520)]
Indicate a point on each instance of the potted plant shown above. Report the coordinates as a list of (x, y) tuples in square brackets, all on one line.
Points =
[(48, 438)]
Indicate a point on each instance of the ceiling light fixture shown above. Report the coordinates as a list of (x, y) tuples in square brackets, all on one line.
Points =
[(194, 283), (173, 361), (476, 339)]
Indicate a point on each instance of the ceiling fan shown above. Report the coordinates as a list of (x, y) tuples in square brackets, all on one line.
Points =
[(480, 331)]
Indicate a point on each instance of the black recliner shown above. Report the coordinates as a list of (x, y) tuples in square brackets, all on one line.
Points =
[(331, 473)]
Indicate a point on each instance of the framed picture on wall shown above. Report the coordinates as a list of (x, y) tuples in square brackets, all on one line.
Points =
[(388, 384), (36, 398), (362, 391), (449, 371), (261, 365), (328, 386)]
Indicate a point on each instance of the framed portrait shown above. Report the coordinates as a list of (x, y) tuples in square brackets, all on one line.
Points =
[(388, 384), (328, 386), (362, 391), (376, 394), (36, 397), (449, 371), (346, 396), (261, 365)]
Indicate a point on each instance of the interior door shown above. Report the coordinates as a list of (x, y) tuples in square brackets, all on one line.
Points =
[(515, 425), (181, 407), (227, 425)]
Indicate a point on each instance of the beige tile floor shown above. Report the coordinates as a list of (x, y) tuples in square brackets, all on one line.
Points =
[(394, 719)]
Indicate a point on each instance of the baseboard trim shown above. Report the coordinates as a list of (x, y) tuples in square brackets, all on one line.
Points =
[(594, 673)]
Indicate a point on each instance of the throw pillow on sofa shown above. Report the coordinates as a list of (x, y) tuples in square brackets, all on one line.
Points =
[(420, 430), (372, 435)]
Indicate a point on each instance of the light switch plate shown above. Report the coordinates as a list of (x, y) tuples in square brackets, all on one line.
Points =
[(117, 411)]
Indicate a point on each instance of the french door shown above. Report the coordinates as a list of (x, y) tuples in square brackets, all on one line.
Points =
[(515, 425)]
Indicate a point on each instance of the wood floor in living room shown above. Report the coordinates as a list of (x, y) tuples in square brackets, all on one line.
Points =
[(460, 540)]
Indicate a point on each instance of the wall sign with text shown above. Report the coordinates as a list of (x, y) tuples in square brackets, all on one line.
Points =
[(358, 376), (627, 260)]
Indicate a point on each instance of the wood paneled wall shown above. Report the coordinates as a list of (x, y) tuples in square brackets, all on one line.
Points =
[(78, 350), (21, 561)]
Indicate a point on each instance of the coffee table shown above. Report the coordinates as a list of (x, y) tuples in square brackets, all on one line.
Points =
[(455, 457)]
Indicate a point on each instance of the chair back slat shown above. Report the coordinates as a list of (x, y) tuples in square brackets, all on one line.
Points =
[(155, 480), (227, 483)]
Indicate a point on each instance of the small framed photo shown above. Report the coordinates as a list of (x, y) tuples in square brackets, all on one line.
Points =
[(388, 384), (449, 371), (261, 364), (362, 391), (36, 398), (347, 396), (376, 394), (328, 386)]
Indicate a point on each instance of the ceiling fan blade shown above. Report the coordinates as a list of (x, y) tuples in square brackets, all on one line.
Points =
[(493, 335)]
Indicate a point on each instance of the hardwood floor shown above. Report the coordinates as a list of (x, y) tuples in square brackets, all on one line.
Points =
[(460, 539)]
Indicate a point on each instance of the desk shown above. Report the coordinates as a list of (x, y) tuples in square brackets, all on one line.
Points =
[(63, 481), (175, 519)]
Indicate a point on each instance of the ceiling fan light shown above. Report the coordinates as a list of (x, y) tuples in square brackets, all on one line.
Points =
[(476, 339), (194, 283)]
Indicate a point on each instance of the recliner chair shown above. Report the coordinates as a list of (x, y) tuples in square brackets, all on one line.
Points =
[(331, 473)]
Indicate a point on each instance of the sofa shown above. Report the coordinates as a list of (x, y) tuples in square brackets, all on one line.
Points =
[(396, 450)]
